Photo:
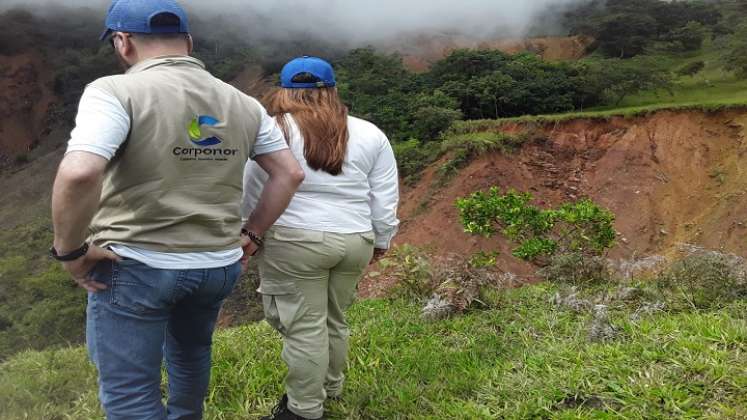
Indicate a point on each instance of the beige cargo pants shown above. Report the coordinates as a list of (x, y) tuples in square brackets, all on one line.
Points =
[(308, 280)]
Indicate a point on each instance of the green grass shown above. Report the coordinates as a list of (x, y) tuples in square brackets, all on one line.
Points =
[(40, 306), (714, 105), (523, 359), (462, 148)]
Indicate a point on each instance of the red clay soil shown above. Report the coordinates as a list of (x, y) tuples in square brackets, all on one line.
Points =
[(24, 103), (671, 178)]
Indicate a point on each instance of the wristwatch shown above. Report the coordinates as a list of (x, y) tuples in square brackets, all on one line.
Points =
[(78, 253)]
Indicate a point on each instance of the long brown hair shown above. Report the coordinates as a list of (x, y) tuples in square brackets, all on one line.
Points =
[(323, 120)]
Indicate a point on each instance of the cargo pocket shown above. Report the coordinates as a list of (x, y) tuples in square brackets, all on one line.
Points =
[(282, 304)]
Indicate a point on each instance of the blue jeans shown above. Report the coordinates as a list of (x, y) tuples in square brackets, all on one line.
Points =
[(147, 315)]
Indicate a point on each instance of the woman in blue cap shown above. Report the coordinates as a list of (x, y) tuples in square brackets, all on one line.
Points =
[(343, 216)]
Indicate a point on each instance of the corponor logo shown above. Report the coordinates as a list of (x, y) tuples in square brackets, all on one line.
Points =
[(195, 131)]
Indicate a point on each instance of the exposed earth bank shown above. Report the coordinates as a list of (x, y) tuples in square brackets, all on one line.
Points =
[(421, 51), (25, 100), (671, 178)]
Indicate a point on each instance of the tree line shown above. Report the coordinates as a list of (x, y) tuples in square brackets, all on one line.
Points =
[(484, 84)]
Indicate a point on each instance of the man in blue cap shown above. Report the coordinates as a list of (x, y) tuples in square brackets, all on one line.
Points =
[(146, 209)]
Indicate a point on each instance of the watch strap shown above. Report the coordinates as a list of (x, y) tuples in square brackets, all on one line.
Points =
[(78, 253), (253, 237)]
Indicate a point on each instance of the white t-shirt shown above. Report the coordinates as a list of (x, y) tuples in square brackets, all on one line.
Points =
[(102, 126), (363, 198)]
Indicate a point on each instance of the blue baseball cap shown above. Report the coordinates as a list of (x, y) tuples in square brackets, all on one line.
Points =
[(140, 16), (314, 66)]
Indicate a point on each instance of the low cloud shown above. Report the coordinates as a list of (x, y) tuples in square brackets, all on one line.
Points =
[(354, 22)]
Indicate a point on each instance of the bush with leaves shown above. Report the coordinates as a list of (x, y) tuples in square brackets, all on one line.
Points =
[(414, 272), (735, 59), (688, 38), (463, 148), (580, 227), (412, 158), (431, 122)]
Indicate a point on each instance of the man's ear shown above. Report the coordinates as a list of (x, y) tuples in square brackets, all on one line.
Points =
[(123, 44), (190, 44)]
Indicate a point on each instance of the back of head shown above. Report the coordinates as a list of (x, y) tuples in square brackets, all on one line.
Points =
[(152, 24), (309, 95), (151, 17)]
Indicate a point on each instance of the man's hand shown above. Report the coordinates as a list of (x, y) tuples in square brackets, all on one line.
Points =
[(285, 176), (379, 253), (75, 198), (81, 268), (250, 248)]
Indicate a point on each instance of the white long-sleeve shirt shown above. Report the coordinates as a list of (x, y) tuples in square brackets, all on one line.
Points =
[(362, 198)]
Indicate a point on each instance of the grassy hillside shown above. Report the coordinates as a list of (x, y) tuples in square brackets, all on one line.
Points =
[(713, 84), (523, 357)]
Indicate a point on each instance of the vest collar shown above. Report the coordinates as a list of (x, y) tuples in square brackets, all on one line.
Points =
[(169, 60)]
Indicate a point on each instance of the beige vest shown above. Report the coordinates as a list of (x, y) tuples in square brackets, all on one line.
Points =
[(175, 185)]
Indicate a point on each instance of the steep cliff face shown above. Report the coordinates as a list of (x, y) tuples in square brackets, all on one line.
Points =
[(26, 98), (671, 178)]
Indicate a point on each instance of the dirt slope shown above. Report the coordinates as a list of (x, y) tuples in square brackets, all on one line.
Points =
[(671, 178), (25, 99), (420, 52)]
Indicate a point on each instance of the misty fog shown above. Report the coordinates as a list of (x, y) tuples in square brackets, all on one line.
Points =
[(354, 22)]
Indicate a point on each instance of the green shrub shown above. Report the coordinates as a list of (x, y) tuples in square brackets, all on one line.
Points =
[(706, 281), (463, 148), (414, 272), (688, 38), (475, 144), (431, 122), (484, 259), (579, 227), (413, 157)]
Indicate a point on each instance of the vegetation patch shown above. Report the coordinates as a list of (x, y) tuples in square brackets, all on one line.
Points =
[(578, 227), (464, 148), (521, 358), (706, 280), (413, 157), (40, 306)]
